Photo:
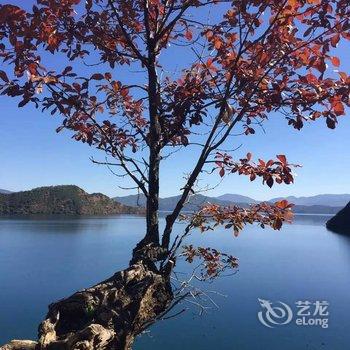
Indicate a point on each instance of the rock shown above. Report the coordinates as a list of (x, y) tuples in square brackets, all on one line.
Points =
[(340, 223), (20, 345), (92, 337), (106, 316)]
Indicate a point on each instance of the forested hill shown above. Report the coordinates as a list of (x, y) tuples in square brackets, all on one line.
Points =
[(69, 200)]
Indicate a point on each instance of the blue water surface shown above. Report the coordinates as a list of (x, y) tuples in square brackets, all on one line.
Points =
[(43, 259)]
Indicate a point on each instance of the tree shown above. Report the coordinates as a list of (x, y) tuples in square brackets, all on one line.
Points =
[(249, 59)]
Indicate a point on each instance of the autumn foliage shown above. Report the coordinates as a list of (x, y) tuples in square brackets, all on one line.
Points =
[(249, 59), (279, 170)]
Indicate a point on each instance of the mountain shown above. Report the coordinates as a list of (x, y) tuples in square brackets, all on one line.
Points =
[(329, 200), (134, 200), (340, 223), (195, 202), (315, 209), (168, 203), (236, 198), (69, 199)]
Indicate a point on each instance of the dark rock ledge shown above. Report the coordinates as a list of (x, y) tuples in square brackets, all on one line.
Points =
[(340, 223)]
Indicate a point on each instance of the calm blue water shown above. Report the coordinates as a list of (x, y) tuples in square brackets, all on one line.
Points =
[(45, 259)]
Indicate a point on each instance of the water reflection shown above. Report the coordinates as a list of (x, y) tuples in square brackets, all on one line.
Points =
[(57, 224), (308, 219), (51, 257)]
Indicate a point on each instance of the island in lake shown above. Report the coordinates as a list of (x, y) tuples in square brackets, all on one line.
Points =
[(65, 199)]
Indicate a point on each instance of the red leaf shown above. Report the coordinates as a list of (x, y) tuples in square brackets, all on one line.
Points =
[(116, 85), (97, 76), (343, 76), (336, 61), (188, 35), (60, 128), (222, 172), (23, 102), (124, 92), (330, 123), (3, 76), (217, 43), (269, 181), (311, 78), (67, 70), (320, 65), (338, 108), (282, 158), (210, 65), (184, 140), (335, 39), (277, 224), (282, 204)]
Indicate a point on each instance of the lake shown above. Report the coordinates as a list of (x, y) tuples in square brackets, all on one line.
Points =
[(43, 259)]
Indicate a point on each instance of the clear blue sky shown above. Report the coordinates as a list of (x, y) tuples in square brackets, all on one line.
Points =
[(33, 155)]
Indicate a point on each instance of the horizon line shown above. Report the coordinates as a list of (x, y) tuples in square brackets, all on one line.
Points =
[(161, 197)]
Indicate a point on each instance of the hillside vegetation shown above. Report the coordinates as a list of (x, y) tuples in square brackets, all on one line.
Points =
[(69, 200)]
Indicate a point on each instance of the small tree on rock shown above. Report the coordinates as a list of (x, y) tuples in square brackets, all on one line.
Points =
[(236, 62)]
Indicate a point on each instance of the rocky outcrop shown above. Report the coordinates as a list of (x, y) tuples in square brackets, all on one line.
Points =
[(20, 345), (340, 223), (68, 200), (107, 316)]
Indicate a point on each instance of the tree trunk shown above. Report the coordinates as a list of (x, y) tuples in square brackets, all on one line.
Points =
[(152, 235)]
